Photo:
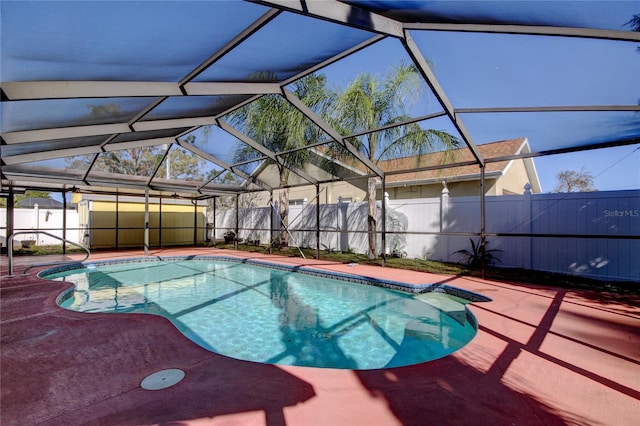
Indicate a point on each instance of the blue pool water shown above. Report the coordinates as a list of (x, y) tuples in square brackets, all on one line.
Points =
[(275, 316)]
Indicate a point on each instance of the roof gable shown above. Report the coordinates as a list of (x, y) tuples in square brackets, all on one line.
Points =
[(43, 203), (490, 150)]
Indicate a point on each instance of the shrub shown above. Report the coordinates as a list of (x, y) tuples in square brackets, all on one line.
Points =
[(473, 257)]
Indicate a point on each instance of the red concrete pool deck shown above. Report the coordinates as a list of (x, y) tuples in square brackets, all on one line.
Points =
[(543, 355)]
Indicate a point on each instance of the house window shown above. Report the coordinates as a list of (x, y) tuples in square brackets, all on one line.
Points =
[(297, 202)]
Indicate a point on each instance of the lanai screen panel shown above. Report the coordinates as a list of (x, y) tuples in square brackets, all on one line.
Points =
[(140, 44), (89, 78), (611, 15), (560, 92), (122, 41), (193, 106), (52, 113), (25, 152), (286, 47)]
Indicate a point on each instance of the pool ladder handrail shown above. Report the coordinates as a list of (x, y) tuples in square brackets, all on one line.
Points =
[(58, 262)]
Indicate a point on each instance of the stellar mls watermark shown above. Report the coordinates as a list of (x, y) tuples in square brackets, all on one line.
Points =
[(622, 213)]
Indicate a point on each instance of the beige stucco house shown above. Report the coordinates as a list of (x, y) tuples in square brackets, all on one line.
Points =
[(505, 177), (501, 177)]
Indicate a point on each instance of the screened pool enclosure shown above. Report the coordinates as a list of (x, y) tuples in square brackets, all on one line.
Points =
[(248, 100)]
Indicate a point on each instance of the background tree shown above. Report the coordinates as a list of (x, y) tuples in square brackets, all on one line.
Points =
[(27, 194), (136, 161), (369, 103), (574, 181), (275, 124), (179, 164), (634, 22), (183, 164), (229, 201)]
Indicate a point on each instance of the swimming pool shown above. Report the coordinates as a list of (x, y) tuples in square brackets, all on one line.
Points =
[(276, 315)]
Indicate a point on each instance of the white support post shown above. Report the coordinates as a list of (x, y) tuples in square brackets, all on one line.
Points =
[(444, 221), (146, 222), (526, 220)]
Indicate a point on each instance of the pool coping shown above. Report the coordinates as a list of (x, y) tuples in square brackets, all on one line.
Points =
[(470, 296)]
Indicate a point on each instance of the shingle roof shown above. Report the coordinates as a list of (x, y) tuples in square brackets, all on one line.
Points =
[(490, 150), (43, 203)]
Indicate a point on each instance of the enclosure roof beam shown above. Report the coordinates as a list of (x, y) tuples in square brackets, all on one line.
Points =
[(26, 136), (224, 165), (229, 46), (263, 150), (37, 90), (599, 145), (103, 129), (49, 155), (434, 167), (64, 133), (369, 131), (376, 38), (528, 30), (246, 139), (321, 123), (13, 174), (84, 150), (342, 13), (111, 147), (155, 170), (564, 108), (398, 124), (423, 66)]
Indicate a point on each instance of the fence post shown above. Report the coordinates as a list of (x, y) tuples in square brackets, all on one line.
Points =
[(526, 221), (277, 223), (214, 221), (271, 208), (444, 223), (146, 222), (36, 217), (10, 218), (338, 223), (64, 222)]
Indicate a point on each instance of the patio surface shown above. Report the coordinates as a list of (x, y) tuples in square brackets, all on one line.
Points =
[(543, 355)]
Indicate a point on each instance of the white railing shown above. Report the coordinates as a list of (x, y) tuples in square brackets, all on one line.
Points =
[(59, 262)]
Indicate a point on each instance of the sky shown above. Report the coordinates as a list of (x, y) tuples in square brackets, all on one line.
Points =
[(613, 169)]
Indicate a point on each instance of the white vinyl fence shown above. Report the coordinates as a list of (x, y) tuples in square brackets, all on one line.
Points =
[(594, 234), (48, 220)]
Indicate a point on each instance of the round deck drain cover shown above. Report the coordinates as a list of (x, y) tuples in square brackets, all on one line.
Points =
[(162, 379)]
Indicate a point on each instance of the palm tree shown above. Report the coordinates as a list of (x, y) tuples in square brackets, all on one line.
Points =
[(275, 124), (368, 103)]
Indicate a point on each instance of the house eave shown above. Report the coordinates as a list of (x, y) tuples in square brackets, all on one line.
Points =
[(448, 179)]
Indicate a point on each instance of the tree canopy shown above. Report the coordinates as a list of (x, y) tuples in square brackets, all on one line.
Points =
[(28, 194), (178, 164), (574, 181), (369, 103), (275, 124)]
